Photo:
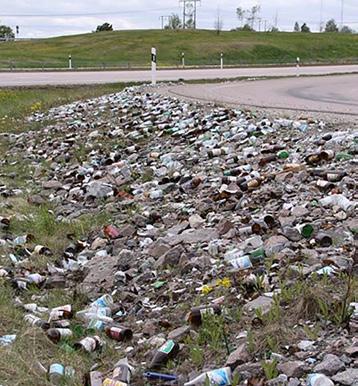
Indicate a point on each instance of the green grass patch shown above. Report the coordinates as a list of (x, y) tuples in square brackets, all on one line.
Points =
[(128, 49), (18, 103)]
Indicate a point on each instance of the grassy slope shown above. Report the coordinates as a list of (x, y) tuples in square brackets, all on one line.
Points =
[(121, 48), (17, 103)]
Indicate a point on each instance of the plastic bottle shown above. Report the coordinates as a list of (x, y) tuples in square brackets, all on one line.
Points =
[(196, 314), (57, 334), (219, 377), (119, 333), (121, 374), (168, 351), (318, 380), (160, 377), (89, 344)]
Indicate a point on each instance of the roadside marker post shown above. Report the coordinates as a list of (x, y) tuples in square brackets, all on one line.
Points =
[(154, 66), (298, 61), (222, 61), (183, 59), (70, 62)]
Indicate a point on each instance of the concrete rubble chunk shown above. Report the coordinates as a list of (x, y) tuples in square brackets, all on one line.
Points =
[(330, 365)]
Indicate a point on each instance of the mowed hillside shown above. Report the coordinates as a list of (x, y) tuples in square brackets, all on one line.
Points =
[(201, 47)]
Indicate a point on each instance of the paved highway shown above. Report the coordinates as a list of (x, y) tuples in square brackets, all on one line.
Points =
[(86, 77), (328, 94)]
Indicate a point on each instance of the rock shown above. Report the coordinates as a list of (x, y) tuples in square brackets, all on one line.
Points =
[(179, 333), (158, 249), (193, 236), (100, 275), (262, 302), (275, 244), (239, 356), (196, 221), (224, 227), (127, 230), (171, 257), (292, 368), (347, 378), (99, 190), (330, 365), (52, 184), (294, 382), (281, 380), (306, 345)]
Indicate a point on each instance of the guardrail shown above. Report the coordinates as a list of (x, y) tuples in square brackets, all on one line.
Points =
[(85, 65)]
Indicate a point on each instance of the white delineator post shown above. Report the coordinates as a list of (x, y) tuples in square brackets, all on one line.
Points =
[(183, 59), (298, 61), (222, 61), (70, 62), (154, 66)]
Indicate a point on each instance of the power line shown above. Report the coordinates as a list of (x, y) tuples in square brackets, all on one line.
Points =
[(86, 14)]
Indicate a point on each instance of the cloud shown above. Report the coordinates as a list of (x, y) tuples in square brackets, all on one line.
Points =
[(143, 14)]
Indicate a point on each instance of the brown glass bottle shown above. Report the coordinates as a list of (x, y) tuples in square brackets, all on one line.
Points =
[(57, 334), (195, 316), (168, 351), (119, 333), (37, 322)]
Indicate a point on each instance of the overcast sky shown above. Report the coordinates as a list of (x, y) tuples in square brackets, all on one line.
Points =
[(64, 17)]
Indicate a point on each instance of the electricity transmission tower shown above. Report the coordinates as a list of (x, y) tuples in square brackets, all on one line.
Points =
[(189, 13)]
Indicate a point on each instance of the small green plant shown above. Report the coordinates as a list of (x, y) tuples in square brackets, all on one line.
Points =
[(197, 356), (212, 332), (270, 369)]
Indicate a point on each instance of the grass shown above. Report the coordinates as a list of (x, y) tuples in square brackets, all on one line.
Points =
[(26, 361), (18, 103), (202, 47)]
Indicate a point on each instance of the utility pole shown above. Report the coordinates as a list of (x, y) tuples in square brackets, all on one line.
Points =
[(276, 19), (163, 18), (321, 18), (342, 14), (189, 11)]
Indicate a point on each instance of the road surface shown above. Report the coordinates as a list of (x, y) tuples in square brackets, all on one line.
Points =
[(86, 77), (329, 94)]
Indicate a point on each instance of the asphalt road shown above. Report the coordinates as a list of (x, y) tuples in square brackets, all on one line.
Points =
[(72, 77), (329, 94)]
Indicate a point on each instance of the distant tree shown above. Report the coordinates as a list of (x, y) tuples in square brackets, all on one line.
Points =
[(190, 24), (296, 28), (331, 26), (253, 15), (240, 12), (6, 32), (246, 27), (174, 22), (305, 28), (104, 27), (346, 30), (274, 29)]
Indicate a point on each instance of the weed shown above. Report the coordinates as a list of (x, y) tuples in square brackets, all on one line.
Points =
[(270, 369)]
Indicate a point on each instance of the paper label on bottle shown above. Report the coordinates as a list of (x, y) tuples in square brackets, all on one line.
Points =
[(219, 377), (167, 347), (116, 333), (207, 311), (111, 382), (32, 319), (57, 369), (89, 344), (65, 332), (243, 262)]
